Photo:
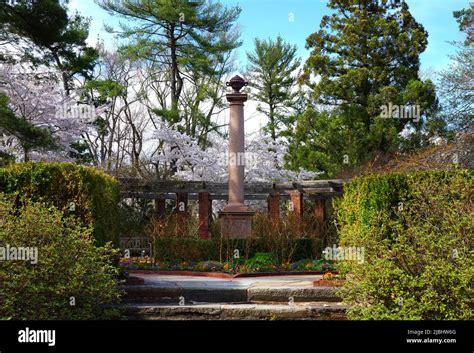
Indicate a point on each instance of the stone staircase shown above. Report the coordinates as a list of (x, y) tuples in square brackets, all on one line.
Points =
[(185, 298)]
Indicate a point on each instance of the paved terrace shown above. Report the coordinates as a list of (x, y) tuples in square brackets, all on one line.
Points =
[(190, 297)]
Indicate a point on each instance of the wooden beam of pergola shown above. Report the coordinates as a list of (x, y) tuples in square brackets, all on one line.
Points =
[(317, 191), (136, 187)]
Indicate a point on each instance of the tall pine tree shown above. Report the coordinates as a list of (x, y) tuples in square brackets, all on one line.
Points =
[(183, 37), (272, 67), (29, 136), (43, 33), (364, 56)]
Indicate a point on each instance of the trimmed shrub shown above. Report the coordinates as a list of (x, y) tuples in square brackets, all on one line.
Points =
[(184, 249), (85, 192), (417, 234), (297, 249), (222, 250), (177, 239), (67, 265)]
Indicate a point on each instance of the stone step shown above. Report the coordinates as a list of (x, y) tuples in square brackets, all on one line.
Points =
[(296, 294), (223, 311), (173, 295)]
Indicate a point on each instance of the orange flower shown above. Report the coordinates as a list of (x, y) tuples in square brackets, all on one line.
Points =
[(327, 275)]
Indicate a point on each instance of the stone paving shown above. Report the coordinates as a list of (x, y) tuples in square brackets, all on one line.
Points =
[(186, 282), (172, 297), (301, 311)]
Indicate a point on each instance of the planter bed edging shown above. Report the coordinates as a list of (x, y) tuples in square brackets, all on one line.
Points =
[(228, 275)]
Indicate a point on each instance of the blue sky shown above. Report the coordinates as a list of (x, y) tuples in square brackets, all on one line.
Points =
[(269, 18)]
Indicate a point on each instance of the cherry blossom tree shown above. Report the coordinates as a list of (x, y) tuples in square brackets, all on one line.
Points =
[(36, 98), (211, 164)]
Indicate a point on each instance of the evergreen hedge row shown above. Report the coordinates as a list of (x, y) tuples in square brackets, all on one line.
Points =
[(217, 249), (85, 192), (417, 234)]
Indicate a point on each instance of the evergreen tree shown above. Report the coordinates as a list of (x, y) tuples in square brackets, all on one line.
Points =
[(181, 36), (272, 66), (364, 58), (30, 137), (44, 34)]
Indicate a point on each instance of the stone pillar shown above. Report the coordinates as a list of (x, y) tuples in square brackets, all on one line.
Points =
[(274, 206), (181, 210), (205, 215), (182, 204), (236, 219), (297, 209), (320, 211), (236, 149)]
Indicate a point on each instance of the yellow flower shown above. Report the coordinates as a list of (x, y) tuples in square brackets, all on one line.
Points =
[(327, 275)]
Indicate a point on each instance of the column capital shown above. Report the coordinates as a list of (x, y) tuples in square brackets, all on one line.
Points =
[(236, 98)]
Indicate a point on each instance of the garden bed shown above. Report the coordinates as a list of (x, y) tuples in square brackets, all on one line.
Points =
[(228, 275), (328, 283), (263, 264)]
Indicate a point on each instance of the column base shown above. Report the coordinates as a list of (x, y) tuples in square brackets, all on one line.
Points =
[(236, 225)]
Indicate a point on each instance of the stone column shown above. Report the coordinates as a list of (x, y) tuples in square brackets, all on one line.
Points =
[(182, 212), (274, 206), (236, 147), (297, 209), (320, 211), (205, 212), (236, 219)]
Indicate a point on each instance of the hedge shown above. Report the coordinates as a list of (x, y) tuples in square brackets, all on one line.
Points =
[(85, 192), (195, 250), (418, 239)]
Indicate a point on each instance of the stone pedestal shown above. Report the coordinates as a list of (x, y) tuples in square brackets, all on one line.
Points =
[(236, 225), (236, 219)]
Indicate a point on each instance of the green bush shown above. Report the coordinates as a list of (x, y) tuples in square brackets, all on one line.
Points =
[(177, 239), (222, 250), (209, 266), (299, 248), (95, 195), (262, 262), (68, 265), (417, 234), (184, 249), (286, 238)]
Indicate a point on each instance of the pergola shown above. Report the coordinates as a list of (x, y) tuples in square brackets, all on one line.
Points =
[(204, 192)]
